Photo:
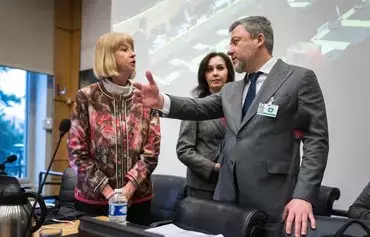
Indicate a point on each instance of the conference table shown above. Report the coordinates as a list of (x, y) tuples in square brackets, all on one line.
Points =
[(67, 228)]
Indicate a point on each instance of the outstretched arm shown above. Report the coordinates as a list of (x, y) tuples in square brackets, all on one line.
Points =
[(183, 108)]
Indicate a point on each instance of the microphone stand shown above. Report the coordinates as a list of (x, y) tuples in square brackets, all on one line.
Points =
[(2, 169), (28, 226), (9, 159)]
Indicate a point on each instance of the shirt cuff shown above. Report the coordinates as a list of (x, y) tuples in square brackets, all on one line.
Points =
[(166, 105), (130, 178)]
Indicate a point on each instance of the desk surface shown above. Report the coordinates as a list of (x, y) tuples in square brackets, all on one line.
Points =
[(66, 227)]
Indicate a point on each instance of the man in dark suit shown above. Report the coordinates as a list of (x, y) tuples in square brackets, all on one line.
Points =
[(260, 112)]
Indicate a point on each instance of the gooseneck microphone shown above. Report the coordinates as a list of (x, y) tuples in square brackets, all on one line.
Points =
[(9, 159), (64, 127)]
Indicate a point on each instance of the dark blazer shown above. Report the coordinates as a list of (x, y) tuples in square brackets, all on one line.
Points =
[(259, 148), (197, 148), (360, 209)]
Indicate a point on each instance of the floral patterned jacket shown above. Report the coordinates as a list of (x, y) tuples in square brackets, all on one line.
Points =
[(112, 140)]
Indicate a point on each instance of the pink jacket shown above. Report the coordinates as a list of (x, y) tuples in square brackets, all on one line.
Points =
[(112, 140)]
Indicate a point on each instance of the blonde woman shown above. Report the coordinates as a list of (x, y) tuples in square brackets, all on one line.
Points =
[(113, 143)]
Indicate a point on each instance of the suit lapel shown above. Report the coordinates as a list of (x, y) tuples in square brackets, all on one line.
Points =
[(236, 102), (279, 73)]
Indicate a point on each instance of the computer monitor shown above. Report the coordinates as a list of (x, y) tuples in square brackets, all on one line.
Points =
[(92, 227)]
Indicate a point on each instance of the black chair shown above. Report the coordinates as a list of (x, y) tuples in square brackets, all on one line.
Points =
[(325, 200), (169, 191), (331, 226), (64, 205), (340, 213), (213, 217), (66, 193), (67, 185)]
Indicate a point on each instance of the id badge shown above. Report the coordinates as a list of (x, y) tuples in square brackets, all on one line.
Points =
[(269, 110)]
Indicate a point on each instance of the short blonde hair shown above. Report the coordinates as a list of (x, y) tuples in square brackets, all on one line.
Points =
[(105, 63)]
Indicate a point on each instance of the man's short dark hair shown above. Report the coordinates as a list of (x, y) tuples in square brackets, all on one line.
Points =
[(255, 25)]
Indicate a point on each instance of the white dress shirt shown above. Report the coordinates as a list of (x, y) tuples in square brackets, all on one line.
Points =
[(265, 69)]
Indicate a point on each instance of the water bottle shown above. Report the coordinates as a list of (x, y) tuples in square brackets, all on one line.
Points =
[(118, 207)]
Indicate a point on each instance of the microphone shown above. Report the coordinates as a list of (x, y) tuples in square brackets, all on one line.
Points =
[(9, 159), (64, 127)]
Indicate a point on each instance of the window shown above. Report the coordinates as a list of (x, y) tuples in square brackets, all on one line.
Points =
[(19, 109)]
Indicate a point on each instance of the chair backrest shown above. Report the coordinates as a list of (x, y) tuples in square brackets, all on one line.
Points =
[(330, 226), (66, 194), (325, 200), (214, 217), (168, 192)]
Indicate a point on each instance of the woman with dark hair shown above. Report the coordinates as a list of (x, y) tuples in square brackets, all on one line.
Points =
[(198, 143)]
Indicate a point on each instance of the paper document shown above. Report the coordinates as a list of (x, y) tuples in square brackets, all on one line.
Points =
[(172, 230)]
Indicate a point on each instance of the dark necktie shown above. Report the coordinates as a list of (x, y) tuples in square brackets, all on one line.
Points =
[(251, 92)]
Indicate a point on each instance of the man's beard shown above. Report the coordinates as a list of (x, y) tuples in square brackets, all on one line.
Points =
[(240, 67)]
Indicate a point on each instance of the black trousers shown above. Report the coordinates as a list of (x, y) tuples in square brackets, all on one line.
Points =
[(139, 213), (271, 229)]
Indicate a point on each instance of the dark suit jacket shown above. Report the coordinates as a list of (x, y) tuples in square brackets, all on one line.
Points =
[(197, 148), (259, 148), (360, 209)]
